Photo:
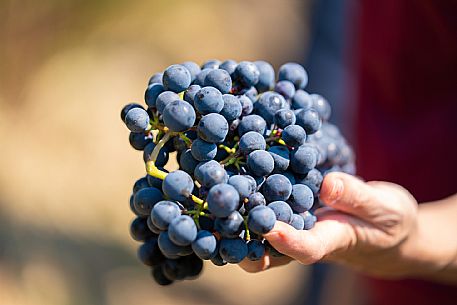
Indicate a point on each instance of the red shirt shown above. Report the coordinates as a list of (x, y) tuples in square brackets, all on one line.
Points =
[(407, 114)]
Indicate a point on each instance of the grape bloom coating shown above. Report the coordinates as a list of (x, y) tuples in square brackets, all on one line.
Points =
[(252, 149)]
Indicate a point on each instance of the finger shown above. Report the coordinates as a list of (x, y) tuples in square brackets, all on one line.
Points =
[(350, 194), (267, 262), (310, 246)]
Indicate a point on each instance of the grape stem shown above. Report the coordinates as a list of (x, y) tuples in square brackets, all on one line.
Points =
[(151, 168), (247, 234)]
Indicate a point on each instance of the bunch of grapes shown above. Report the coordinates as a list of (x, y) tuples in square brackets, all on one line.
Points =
[(251, 151)]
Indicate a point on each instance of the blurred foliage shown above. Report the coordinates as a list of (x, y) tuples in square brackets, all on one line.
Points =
[(66, 69)]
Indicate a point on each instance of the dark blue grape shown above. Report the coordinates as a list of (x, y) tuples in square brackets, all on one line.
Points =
[(193, 68), (230, 226), (252, 122), (266, 76), (284, 118), (178, 185), (139, 140), (132, 206), (163, 213), (281, 157), (170, 249), (256, 250), (247, 105), (145, 199), (156, 79), (174, 269), (140, 184), (268, 104), (277, 187), (309, 220), (304, 159), (128, 107), (179, 116), (164, 99), (151, 94), (159, 277), (152, 226), (187, 162), (211, 64), (200, 78), (260, 163), (219, 79), (321, 105), (229, 66), (251, 93), (139, 229), (234, 250), (309, 120), (302, 100), (182, 230), (313, 180), (294, 135), (232, 107), (301, 199), (242, 184), (150, 254), (189, 95), (251, 141), (285, 88), (294, 73), (297, 222), (282, 211), (205, 245), (208, 100), (255, 199), (261, 219), (203, 151), (222, 200), (137, 120), (176, 78), (162, 157), (247, 74), (213, 128), (210, 173)]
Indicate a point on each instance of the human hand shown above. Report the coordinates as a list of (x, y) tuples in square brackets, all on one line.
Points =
[(371, 226)]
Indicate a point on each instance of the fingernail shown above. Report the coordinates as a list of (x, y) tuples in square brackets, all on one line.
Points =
[(337, 191)]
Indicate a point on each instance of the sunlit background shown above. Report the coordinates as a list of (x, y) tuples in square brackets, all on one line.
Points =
[(66, 168)]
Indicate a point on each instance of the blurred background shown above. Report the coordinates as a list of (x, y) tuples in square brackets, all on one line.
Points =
[(66, 69)]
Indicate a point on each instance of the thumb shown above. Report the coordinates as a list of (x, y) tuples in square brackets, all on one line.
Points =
[(349, 194)]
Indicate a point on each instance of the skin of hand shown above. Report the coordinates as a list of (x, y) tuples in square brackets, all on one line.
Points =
[(373, 227)]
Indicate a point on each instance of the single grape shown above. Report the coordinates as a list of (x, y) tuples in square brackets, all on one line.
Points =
[(182, 230), (208, 100), (203, 151), (255, 199), (260, 163), (204, 245), (247, 105), (187, 162), (176, 78), (304, 159), (243, 185), (230, 226), (219, 79), (152, 92), (277, 187), (301, 199), (190, 93), (178, 185), (164, 99), (233, 250), (247, 74), (294, 135), (261, 219), (251, 141), (137, 120), (156, 78), (252, 122), (150, 254), (213, 128), (210, 173), (145, 199), (309, 220), (313, 180), (179, 116), (284, 118), (308, 119), (211, 64), (281, 158), (163, 214), (222, 200), (193, 68), (229, 66), (285, 88), (321, 105), (302, 100), (162, 157), (297, 222), (139, 229), (294, 73), (256, 250), (128, 107), (141, 183), (282, 211), (266, 76), (232, 107), (139, 140), (267, 105)]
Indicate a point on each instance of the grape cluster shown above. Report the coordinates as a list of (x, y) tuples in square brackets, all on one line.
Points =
[(251, 151)]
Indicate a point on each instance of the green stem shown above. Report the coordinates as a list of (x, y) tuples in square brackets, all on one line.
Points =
[(247, 234), (151, 168)]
